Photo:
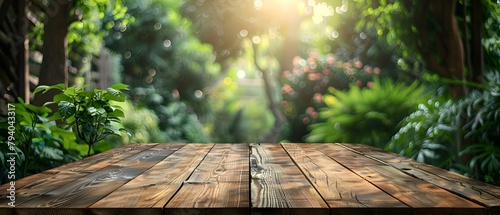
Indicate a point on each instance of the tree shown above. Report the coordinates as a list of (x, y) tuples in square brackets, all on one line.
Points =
[(58, 20), (225, 25), (431, 29)]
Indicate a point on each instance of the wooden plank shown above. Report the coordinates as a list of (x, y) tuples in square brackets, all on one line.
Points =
[(344, 191), (219, 185), (422, 196), (477, 191), (37, 185), (81, 193), (278, 186), (98, 161), (151, 190)]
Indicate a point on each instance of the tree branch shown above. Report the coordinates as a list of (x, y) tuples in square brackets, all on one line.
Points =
[(274, 135)]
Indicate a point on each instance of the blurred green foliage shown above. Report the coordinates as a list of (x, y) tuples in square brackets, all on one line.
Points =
[(429, 134), (368, 115), (141, 123)]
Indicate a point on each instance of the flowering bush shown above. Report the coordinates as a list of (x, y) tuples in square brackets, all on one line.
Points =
[(303, 88)]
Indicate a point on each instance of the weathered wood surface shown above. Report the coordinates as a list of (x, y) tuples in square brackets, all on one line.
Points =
[(341, 188), (220, 184), (280, 185), (249, 179)]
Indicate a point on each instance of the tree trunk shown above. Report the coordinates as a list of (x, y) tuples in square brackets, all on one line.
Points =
[(55, 48), (477, 53), (452, 66), (279, 120), (21, 41)]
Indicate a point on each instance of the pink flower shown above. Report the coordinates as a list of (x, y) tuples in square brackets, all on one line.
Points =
[(330, 59), (347, 65), (368, 69), (318, 98), (314, 115), (310, 60), (309, 110), (296, 60), (377, 71), (306, 68), (306, 120), (286, 74), (359, 83), (358, 64), (314, 76), (287, 89)]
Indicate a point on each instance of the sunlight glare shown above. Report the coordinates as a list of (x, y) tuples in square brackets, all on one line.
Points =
[(256, 39), (241, 74), (258, 4)]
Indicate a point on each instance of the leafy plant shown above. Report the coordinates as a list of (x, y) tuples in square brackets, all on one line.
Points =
[(369, 116), (430, 133), (89, 113), (39, 143), (426, 134)]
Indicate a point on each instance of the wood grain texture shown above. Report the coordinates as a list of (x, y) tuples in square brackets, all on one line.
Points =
[(37, 185), (190, 179), (82, 192), (344, 191), (477, 191), (278, 186), (152, 189), (422, 196), (219, 185)]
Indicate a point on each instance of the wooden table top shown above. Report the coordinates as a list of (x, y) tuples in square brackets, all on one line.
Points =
[(249, 179)]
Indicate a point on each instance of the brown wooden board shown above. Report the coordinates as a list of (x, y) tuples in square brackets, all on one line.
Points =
[(422, 196), (151, 190), (278, 186), (95, 162), (344, 191), (81, 193), (477, 191), (219, 185), (37, 185)]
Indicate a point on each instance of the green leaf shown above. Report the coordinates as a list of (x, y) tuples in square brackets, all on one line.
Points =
[(62, 97), (115, 95), (70, 91), (119, 86), (117, 113), (112, 129), (66, 109), (56, 116), (40, 88), (60, 86), (88, 94), (49, 152)]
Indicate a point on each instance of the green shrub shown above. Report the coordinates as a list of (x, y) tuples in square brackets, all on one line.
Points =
[(426, 134), (181, 125), (369, 116), (431, 133), (38, 142)]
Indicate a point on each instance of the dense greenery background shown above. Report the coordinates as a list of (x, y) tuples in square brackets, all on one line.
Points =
[(378, 72)]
